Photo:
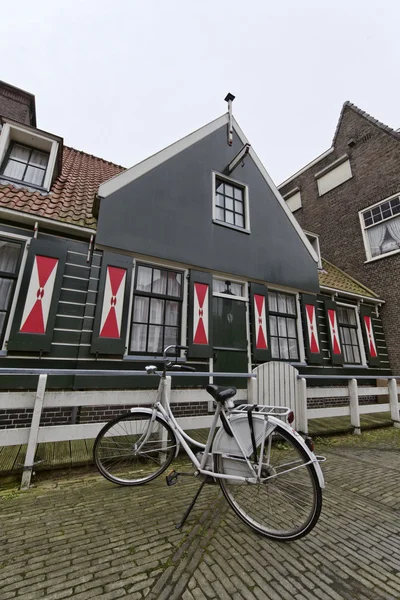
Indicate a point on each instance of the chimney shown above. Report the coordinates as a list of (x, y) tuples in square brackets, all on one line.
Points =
[(229, 99), (17, 104)]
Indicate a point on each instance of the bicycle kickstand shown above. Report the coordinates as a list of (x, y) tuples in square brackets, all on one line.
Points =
[(189, 509)]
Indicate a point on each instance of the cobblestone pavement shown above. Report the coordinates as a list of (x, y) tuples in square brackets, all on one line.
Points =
[(81, 537)]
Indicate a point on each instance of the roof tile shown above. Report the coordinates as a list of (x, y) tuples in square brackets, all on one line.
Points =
[(335, 278)]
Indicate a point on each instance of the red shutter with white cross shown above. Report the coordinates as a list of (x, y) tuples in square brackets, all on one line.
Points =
[(259, 323), (199, 311), (309, 306), (335, 343), (367, 314), (111, 316), (36, 308)]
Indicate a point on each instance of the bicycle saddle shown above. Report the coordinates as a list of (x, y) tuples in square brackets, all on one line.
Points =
[(220, 393)]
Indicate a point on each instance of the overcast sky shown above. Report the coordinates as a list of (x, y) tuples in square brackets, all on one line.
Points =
[(122, 79)]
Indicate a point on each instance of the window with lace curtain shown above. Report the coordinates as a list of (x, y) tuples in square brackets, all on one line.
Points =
[(23, 163), (10, 262), (157, 309), (381, 226)]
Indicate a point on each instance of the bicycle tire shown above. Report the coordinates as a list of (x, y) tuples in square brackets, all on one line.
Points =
[(117, 460), (271, 513)]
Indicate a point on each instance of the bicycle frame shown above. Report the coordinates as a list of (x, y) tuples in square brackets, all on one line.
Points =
[(162, 409)]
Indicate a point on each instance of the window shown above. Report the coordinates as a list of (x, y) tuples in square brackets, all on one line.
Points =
[(347, 322), (229, 288), (293, 199), (283, 326), (28, 155), (10, 261), (381, 225), (25, 164), (314, 241), (157, 307), (230, 203), (333, 175)]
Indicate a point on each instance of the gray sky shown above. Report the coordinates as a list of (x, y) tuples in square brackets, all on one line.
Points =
[(122, 79)]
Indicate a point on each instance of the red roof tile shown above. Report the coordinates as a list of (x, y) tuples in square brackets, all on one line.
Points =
[(72, 193)]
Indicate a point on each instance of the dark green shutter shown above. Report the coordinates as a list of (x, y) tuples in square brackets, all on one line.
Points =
[(367, 327), (200, 315), (111, 316), (36, 309), (312, 339), (335, 341), (261, 346)]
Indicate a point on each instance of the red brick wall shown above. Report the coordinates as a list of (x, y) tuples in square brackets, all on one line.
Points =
[(375, 164), (15, 106)]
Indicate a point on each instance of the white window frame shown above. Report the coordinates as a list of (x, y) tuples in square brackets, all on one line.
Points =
[(25, 136), (359, 337), (368, 254), (328, 169), (299, 328), (184, 312), (235, 183), (243, 283), (317, 248), (290, 196), (26, 240)]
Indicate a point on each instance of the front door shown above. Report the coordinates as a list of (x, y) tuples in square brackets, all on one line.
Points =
[(230, 339)]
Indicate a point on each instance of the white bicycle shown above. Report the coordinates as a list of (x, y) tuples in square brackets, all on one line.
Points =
[(267, 472)]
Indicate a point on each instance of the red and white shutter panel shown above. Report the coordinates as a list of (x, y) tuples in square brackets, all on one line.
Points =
[(39, 295), (113, 302), (312, 344), (260, 322), (201, 314), (370, 336), (335, 344), (312, 328), (367, 314), (334, 331)]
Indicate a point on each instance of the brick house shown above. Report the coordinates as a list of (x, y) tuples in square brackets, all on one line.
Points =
[(350, 197), (101, 267)]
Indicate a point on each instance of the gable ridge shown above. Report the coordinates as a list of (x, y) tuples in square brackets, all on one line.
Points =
[(366, 116)]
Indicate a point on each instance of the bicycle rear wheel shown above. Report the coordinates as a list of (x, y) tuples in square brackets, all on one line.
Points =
[(287, 505), (134, 449)]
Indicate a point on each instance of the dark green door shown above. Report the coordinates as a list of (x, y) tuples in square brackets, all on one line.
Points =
[(230, 339)]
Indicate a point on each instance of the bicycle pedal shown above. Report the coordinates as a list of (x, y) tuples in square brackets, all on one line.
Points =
[(172, 478)]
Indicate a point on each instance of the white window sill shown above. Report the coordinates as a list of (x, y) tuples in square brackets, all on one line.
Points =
[(241, 229), (392, 253)]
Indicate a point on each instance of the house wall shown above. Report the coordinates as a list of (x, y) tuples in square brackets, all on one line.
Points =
[(15, 106), (375, 165)]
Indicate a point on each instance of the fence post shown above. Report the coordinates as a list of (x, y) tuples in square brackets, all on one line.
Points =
[(394, 402), (252, 390), (33, 433), (301, 417), (354, 409)]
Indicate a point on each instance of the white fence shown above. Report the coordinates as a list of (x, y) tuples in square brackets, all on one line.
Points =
[(273, 383)]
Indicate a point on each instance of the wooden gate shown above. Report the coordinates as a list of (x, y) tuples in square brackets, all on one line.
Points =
[(277, 384)]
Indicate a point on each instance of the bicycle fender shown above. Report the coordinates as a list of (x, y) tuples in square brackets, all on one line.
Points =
[(302, 443), (150, 411)]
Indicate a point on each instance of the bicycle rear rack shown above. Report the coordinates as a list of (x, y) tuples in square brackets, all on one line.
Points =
[(275, 411)]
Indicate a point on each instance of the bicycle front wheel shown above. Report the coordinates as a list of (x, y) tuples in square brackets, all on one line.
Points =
[(286, 504), (134, 448)]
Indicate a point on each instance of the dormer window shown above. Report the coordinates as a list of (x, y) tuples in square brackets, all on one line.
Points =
[(231, 205), (26, 164), (29, 157)]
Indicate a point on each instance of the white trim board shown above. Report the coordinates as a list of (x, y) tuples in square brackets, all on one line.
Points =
[(126, 177)]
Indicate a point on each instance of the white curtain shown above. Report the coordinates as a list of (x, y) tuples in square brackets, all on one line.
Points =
[(394, 229), (376, 236)]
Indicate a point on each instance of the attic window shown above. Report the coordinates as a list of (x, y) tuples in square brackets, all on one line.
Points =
[(24, 163), (231, 203), (314, 241), (28, 156), (333, 175)]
